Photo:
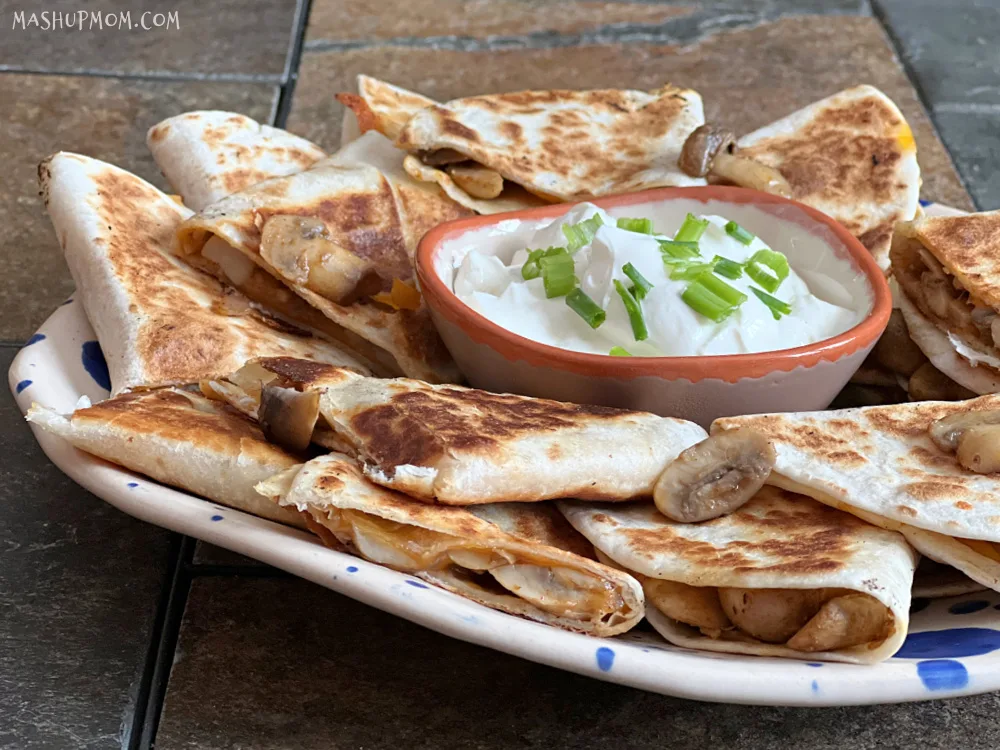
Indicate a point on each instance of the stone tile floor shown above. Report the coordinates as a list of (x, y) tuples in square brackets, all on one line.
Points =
[(114, 633)]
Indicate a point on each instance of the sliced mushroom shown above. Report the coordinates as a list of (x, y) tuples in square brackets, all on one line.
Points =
[(711, 151), (948, 431), (979, 449), (697, 606), (842, 622), (896, 350), (715, 476), (930, 384), (771, 615), (477, 181), (288, 416), (701, 148), (441, 157)]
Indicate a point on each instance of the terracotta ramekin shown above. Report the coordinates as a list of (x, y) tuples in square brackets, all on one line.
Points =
[(699, 388)]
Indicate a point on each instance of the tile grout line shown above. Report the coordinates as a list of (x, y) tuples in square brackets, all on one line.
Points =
[(156, 76), (915, 82)]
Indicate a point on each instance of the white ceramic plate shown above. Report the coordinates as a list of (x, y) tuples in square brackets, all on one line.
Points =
[(953, 647)]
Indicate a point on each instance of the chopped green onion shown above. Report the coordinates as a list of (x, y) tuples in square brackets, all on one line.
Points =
[(582, 233), (675, 249), (557, 274), (721, 289), (768, 268), (642, 285), (617, 351), (728, 268), (701, 300), (775, 305), (692, 229), (689, 272), (634, 311), (585, 307), (532, 268), (738, 233), (642, 226)]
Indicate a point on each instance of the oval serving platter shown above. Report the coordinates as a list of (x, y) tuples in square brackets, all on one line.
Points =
[(953, 647)]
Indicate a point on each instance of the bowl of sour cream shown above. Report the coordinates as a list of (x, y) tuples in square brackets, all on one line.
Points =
[(692, 302)]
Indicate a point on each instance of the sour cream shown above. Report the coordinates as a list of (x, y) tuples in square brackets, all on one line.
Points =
[(499, 292)]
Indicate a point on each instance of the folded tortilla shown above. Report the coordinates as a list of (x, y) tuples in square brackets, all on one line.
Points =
[(880, 464), (340, 236), (159, 321), (782, 576), (948, 272), (523, 560), (851, 156), (461, 446), (932, 580), (207, 155), (181, 439), (558, 145)]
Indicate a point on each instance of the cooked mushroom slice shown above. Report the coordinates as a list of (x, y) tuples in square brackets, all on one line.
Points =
[(441, 157), (697, 606), (979, 449), (947, 432), (288, 416), (842, 622), (701, 148), (477, 181), (771, 615), (711, 151), (930, 384), (896, 350), (715, 476)]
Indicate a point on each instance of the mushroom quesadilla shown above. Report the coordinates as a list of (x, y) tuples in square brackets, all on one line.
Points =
[(181, 439), (781, 576), (461, 446), (902, 467), (208, 155), (520, 559), (159, 321)]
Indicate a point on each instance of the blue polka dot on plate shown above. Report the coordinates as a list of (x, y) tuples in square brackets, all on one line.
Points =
[(93, 362), (953, 643), (967, 608), (35, 339), (217, 518), (416, 584), (815, 686), (605, 658), (352, 568), (21, 386), (132, 484), (943, 674)]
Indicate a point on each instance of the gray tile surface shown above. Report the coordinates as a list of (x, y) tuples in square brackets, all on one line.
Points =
[(100, 117), (235, 38), (79, 586), (276, 664), (972, 134)]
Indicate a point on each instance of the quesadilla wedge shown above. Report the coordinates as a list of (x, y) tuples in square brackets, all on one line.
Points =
[(340, 236), (180, 439), (461, 446), (558, 145), (882, 464), (850, 155), (782, 576), (948, 271), (523, 560), (159, 321), (207, 155)]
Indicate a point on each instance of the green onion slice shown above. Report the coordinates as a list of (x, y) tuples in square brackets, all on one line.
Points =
[(634, 311), (701, 300), (617, 351), (642, 226), (738, 233), (557, 274), (532, 268), (582, 233), (689, 271), (775, 305), (728, 268), (642, 285), (721, 289), (681, 250), (585, 307), (768, 268), (692, 229)]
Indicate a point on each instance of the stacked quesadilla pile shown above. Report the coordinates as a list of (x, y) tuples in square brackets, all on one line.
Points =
[(269, 350)]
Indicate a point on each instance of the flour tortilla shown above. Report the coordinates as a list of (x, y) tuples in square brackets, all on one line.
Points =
[(374, 213), (181, 439), (851, 156), (461, 446), (207, 155), (159, 321), (524, 560), (778, 540), (880, 464), (932, 580)]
